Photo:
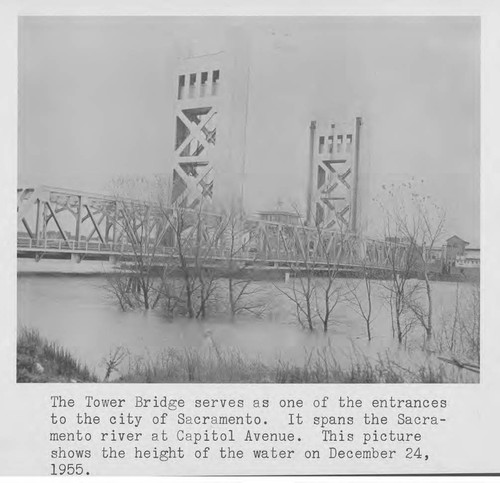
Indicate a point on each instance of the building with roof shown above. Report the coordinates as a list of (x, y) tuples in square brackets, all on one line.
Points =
[(454, 247)]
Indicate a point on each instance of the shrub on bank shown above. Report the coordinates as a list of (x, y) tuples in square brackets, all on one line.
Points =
[(226, 366), (39, 360)]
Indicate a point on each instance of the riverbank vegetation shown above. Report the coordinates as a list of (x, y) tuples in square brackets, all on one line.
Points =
[(40, 360), (454, 356), (320, 366)]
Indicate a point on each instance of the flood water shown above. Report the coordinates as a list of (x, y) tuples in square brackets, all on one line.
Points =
[(78, 313)]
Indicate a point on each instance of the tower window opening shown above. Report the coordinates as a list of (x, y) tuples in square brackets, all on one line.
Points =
[(182, 83), (340, 140), (330, 144), (348, 140), (215, 82), (321, 144), (192, 84), (203, 80)]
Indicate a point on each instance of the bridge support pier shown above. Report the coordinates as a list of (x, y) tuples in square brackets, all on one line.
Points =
[(76, 258), (113, 259), (287, 277)]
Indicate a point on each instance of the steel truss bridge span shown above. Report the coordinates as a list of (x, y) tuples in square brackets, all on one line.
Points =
[(61, 223)]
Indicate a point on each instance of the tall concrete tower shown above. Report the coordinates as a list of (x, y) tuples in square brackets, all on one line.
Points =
[(333, 174), (211, 100)]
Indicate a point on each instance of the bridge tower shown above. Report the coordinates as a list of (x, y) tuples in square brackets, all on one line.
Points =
[(211, 98), (332, 193)]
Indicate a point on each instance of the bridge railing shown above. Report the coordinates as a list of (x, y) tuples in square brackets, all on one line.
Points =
[(347, 257), (60, 244)]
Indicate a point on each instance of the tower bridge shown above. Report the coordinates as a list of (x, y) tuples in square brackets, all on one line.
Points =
[(211, 105), (209, 156), (59, 223)]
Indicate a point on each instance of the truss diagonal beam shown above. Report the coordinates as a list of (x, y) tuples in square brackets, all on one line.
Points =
[(96, 225), (53, 215)]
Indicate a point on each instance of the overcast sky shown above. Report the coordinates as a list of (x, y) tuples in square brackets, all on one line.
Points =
[(96, 101)]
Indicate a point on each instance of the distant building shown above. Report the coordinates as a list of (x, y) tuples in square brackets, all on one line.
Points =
[(473, 253), (461, 260), (279, 216), (470, 259), (454, 247)]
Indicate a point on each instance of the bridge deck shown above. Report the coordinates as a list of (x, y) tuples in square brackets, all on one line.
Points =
[(28, 248), (58, 223)]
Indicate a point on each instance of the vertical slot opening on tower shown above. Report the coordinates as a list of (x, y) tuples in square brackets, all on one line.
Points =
[(215, 82), (192, 84), (330, 144), (321, 147), (204, 80), (340, 140), (348, 143), (182, 83)]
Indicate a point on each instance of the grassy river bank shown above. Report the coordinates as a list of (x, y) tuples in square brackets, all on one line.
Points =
[(41, 360)]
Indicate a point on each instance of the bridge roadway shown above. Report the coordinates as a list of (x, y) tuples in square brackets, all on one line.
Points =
[(60, 223), (213, 257)]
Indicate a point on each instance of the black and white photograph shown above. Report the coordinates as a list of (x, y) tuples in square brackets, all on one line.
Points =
[(264, 199)]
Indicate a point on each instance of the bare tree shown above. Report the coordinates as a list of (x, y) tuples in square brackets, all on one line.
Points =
[(330, 294), (360, 296), (431, 221), (195, 238), (118, 285), (243, 293), (401, 266), (315, 256), (177, 256), (113, 361), (141, 229), (459, 336), (420, 223)]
